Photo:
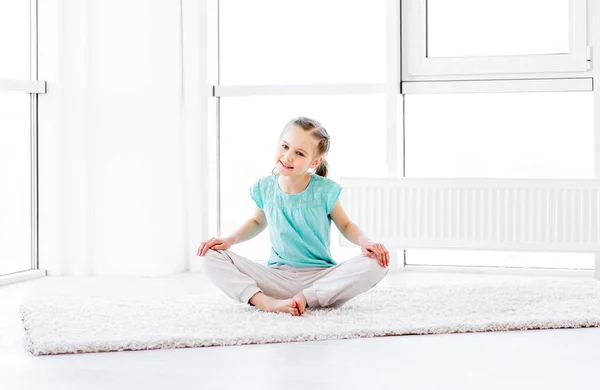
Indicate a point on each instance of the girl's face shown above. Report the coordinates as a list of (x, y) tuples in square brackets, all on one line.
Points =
[(295, 152)]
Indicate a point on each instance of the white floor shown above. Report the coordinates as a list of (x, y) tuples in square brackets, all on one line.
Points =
[(548, 359)]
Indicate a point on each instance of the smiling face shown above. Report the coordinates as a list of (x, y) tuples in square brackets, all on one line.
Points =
[(296, 152)]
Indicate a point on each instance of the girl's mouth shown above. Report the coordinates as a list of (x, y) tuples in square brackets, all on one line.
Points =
[(285, 166)]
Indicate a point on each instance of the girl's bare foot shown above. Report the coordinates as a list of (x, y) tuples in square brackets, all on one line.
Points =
[(267, 303), (300, 300)]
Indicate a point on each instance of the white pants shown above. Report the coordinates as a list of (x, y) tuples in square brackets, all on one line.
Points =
[(241, 278)]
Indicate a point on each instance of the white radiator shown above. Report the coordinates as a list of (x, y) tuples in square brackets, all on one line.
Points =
[(489, 214)]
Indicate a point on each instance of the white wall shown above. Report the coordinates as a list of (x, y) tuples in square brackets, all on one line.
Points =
[(119, 138)]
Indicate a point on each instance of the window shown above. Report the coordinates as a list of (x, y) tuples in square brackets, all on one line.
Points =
[(467, 37), (457, 46)]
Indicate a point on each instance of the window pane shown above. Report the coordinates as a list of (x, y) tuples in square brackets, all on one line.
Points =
[(519, 135), (462, 28), (507, 135), (211, 179), (250, 129), (292, 42), (15, 190), (14, 39)]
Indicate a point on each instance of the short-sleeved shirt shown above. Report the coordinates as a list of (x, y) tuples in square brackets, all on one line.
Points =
[(299, 224)]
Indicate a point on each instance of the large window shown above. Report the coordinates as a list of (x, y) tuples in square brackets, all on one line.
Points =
[(447, 48)]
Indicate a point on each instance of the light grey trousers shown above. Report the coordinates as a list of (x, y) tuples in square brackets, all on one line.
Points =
[(241, 278)]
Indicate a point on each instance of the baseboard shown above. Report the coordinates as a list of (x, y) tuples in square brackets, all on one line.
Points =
[(21, 276)]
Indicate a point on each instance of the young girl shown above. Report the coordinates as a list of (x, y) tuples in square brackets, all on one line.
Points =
[(299, 207)]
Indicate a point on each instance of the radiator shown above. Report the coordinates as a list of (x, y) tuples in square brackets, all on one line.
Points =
[(490, 214)]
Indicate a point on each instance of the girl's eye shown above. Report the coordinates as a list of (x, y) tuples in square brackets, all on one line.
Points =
[(285, 147)]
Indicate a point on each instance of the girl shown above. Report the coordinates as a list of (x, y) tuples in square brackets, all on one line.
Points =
[(299, 206)]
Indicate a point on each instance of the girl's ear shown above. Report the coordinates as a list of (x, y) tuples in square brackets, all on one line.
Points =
[(317, 162)]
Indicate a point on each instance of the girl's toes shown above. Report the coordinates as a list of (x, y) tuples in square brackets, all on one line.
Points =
[(295, 308)]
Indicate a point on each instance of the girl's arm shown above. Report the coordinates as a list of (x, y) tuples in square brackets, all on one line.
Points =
[(349, 229), (353, 234), (250, 229)]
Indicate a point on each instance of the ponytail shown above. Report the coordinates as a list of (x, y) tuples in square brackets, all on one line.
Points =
[(322, 169)]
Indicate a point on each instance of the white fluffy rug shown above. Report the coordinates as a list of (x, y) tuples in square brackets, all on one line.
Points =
[(96, 324)]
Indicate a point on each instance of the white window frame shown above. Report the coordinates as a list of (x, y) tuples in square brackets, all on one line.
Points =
[(414, 32), (33, 87)]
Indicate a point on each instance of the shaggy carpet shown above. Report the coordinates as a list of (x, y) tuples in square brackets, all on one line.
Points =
[(98, 324)]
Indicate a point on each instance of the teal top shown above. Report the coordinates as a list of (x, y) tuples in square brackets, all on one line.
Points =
[(299, 224)]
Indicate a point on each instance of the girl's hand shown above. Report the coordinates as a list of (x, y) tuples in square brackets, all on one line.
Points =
[(376, 251), (215, 244)]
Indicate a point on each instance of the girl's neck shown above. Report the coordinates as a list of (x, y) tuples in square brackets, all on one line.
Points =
[(293, 184)]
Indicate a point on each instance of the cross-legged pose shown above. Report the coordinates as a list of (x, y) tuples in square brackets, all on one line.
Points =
[(298, 202)]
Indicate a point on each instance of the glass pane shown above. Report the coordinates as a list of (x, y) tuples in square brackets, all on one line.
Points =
[(250, 129), (463, 28), (14, 39), (519, 135), (15, 190), (292, 42), (212, 171), (507, 135)]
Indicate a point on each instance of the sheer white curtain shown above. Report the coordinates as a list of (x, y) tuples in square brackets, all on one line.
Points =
[(116, 129)]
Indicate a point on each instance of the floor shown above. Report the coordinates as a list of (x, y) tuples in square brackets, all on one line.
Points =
[(545, 359)]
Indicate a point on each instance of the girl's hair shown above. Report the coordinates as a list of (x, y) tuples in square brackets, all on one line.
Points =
[(317, 131)]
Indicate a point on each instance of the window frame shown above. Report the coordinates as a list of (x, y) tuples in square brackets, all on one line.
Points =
[(33, 87), (417, 64)]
